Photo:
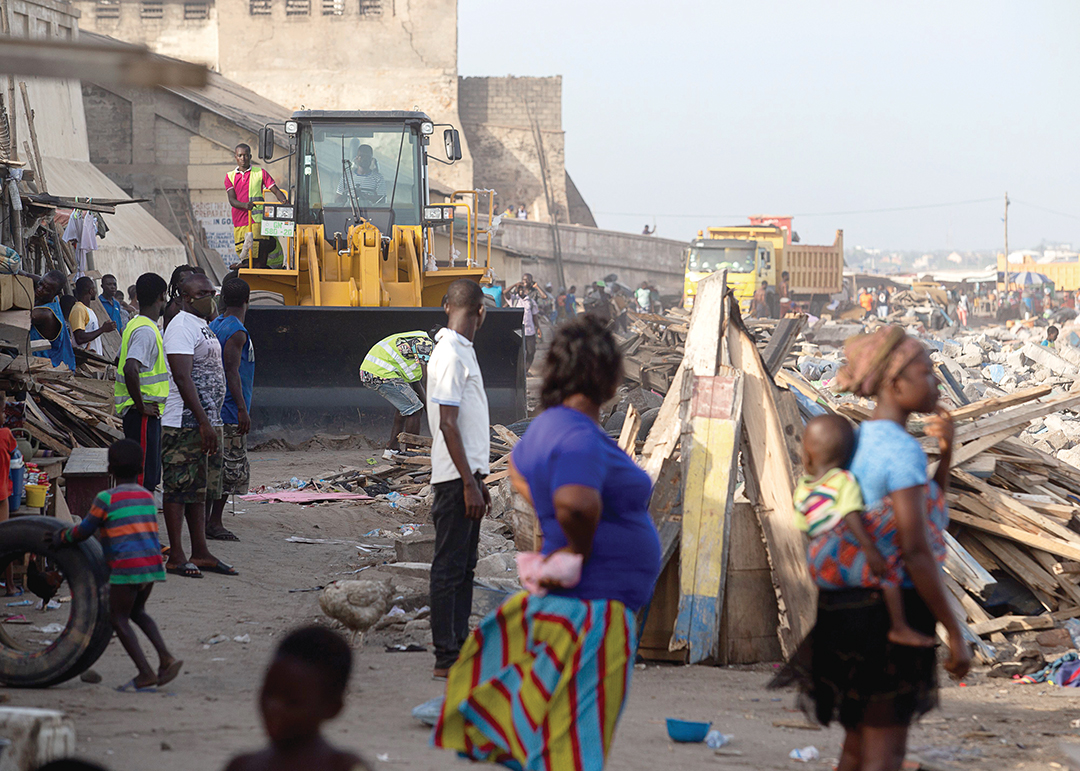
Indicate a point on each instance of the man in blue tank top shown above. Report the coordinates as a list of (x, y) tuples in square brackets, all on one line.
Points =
[(238, 357)]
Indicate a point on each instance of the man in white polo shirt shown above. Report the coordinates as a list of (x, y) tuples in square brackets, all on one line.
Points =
[(461, 448)]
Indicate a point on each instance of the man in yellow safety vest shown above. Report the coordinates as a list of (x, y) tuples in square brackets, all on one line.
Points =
[(142, 379), (395, 368), (244, 186)]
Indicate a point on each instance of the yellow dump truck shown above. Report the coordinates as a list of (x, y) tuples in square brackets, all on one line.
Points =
[(755, 253)]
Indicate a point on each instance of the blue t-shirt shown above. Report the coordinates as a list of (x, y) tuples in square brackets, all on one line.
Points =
[(225, 326), (887, 458), (112, 307), (565, 447), (60, 350)]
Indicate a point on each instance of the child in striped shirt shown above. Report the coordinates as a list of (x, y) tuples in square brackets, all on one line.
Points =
[(127, 518), (830, 502)]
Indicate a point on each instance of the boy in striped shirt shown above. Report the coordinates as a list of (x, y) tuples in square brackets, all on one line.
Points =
[(127, 518)]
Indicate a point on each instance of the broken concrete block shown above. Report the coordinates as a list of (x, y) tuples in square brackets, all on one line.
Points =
[(498, 565), (1015, 359), (1043, 355), (971, 357), (418, 547), (1041, 374), (409, 569), (952, 349), (36, 735), (1058, 440)]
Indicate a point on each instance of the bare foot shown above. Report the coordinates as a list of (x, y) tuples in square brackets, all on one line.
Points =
[(905, 635)]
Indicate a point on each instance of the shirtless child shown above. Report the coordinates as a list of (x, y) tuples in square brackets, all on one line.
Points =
[(304, 688), (831, 505)]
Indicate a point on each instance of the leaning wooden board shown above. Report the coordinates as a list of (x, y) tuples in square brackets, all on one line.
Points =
[(711, 450), (768, 455)]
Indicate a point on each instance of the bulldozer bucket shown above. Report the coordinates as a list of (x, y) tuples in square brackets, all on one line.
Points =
[(308, 359)]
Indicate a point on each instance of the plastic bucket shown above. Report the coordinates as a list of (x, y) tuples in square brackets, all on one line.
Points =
[(35, 496)]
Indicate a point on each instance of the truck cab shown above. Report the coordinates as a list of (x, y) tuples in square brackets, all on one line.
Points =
[(747, 263)]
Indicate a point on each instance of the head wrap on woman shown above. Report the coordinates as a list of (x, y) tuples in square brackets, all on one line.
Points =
[(876, 359)]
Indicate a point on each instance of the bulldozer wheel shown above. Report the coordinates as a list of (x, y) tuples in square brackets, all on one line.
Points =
[(88, 629)]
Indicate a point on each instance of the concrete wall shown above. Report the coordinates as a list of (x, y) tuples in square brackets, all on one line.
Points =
[(590, 254), (373, 55), (497, 115), (155, 144), (136, 242)]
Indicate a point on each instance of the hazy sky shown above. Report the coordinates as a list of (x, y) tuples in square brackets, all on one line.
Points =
[(699, 113)]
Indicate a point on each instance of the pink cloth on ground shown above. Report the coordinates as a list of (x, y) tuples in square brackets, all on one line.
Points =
[(562, 567)]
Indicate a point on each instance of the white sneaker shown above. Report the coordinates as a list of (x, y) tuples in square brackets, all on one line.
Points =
[(389, 454)]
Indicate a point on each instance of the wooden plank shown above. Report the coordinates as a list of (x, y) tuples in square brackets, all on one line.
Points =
[(1048, 562), (748, 622), (701, 357), (966, 570), (782, 341), (630, 427), (506, 434), (110, 341), (1014, 624), (995, 403), (768, 463), (1060, 548), (969, 450), (1015, 417), (1017, 562), (1040, 521), (711, 455)]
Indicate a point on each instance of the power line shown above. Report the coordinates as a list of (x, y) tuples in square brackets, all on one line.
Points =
[(1051, 211), (816, 214)]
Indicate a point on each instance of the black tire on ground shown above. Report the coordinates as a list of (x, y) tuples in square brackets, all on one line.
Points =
[(88, 630), (648, 417), (613, 426), (266, 297)]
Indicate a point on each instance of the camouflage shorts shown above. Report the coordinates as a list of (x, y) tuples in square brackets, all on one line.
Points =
[(235, 469), (188, 475)]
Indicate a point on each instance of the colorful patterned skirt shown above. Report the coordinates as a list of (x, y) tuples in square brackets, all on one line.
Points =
[(540, 684)]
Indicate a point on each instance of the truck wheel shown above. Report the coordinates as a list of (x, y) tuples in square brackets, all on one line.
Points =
[(88, 629)]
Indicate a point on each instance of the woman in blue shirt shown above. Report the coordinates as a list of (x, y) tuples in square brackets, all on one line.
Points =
[(541, 683), (847, 668)]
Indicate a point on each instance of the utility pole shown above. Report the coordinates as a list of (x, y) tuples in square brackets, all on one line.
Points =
[(1006, 242)]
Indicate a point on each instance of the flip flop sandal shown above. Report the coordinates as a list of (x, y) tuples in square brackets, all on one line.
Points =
[(223, 535), (221, 568), (169, 674), (187, 570), (130, 687)]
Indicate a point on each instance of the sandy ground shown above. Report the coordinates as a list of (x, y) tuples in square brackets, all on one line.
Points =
[(208, 714)]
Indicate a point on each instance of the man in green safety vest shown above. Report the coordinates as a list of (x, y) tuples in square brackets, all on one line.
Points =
[(244, 186), (395, 368), (142, 379)]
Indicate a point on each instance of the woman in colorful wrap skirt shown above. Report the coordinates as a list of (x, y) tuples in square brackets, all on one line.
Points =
[(542, 681), (846, 668)]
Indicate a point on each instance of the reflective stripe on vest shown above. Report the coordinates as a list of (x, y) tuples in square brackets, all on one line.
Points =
[(255, 189), (385, 361), (154, 384)]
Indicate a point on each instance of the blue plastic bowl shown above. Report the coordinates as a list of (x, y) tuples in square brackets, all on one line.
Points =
[(687, 730)]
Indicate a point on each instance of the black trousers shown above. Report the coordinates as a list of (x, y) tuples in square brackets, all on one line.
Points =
[(456, 542), (147, 432), (530, 351)]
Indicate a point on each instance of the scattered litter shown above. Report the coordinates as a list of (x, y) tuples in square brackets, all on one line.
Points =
[(218, 638), (428, 712), (298, 496), (715, 740), (20, 603), (49, 628), (397, 610), (805, 755), (242, 638)]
